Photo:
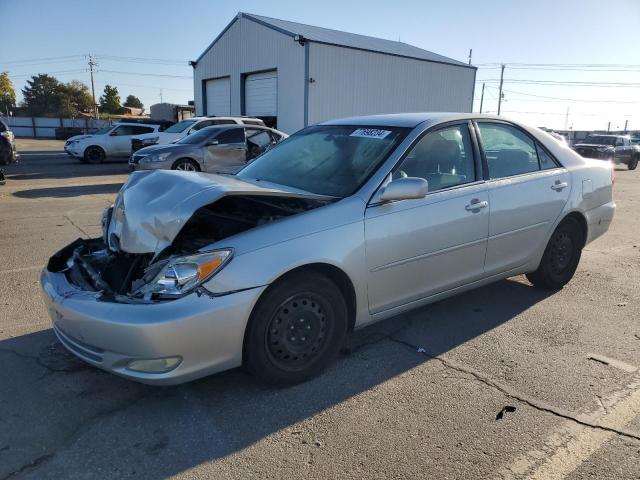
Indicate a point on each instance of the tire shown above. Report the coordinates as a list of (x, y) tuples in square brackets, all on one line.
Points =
[(295, 330), (561, 257), (633, 163), (186, 165), (94, 155), (6, 152)]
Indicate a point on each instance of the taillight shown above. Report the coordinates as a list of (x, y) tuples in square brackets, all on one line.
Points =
[(613, 174)]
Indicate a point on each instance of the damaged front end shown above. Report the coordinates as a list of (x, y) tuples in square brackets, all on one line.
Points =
[(158, 237)]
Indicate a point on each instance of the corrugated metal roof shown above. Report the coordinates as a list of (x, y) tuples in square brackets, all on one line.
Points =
[(345, 39), (353, 40)]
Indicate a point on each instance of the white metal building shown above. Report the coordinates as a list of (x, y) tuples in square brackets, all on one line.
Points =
[(298, 75)]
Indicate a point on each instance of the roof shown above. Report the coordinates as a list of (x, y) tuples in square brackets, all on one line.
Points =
[(408, 119), (343, 39)]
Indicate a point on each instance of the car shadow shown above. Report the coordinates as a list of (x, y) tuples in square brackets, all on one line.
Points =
[(51, 399), (69, 191)]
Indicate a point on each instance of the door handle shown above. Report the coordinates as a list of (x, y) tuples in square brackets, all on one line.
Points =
[(476, 205), (559, 185)]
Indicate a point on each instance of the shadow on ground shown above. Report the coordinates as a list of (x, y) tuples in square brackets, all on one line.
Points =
[(69, 191), (58, 413)]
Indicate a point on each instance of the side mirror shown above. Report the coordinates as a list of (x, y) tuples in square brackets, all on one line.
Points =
[(212, 142), (405, 189), (113, 133)]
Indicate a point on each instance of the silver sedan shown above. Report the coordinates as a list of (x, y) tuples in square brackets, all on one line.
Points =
[(343, 224), (217, 149)]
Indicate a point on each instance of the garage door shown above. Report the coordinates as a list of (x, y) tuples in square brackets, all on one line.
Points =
[(218, 97), (261, 94)]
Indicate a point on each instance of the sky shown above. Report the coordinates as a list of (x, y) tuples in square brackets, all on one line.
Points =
[(55, 37)]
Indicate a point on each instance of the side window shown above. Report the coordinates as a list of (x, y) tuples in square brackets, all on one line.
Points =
[(123, 130), (508, 150), (546, 162), (201, 125), (233, 135), (141, 130), (444, 158)]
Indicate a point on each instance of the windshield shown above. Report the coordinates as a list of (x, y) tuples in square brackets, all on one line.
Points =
[(326, 159), (198, 137), (600, 140), (180, 126), (103, 130)]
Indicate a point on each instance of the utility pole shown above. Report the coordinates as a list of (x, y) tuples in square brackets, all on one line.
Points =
[(470, 54), (160, 95), (482, 97), (608, 127), (566, 118), (626, 124), (501, 82), (92, 65)]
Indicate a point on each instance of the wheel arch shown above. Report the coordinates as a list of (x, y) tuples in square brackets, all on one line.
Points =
[(191, 159), (335, 274), (84, 152), (582, 221)]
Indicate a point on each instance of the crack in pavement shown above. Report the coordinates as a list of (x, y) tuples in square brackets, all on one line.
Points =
[(38, 359), (37, 462), (532, 402), (78, 227)]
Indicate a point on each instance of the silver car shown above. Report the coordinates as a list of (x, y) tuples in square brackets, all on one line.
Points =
[(343, 224), (219, 149)]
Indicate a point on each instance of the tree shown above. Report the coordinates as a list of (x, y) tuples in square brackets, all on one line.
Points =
[(110, 100), (75, 99), (7, 94), (42, 95), (133, 102)]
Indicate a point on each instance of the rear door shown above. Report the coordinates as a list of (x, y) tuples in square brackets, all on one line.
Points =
[(527, 191), (228, 154)]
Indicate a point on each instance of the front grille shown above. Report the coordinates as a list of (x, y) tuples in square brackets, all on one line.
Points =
[(81, 349)]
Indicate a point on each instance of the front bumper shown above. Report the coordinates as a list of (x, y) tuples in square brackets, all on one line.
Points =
[(206, 332)]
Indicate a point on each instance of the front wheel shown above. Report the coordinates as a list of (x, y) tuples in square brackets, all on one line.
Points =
[(561, 257), (296, 329), (633, 163), (186, 165), (94, 155)]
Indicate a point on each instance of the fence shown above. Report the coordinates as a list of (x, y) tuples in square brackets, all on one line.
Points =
[(44, 127)]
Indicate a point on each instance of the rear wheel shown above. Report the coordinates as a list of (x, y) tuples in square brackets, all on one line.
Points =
[(186, 165), (94, 155), (561, 257), (6, 152), (296, 329), (633, 163)]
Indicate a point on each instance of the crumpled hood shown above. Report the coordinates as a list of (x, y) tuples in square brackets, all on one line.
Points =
[(153, 206)]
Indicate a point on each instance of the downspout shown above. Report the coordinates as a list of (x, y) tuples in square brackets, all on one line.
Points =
[(306, 84)]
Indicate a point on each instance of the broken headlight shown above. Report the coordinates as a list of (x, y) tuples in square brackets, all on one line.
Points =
[(180, 275)]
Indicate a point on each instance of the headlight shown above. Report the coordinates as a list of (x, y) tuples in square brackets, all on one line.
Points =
[(161, 157), (150, 141), (181, 275), (604, 148)]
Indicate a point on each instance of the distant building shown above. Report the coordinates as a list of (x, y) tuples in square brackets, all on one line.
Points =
[(134, 112), (292, 75), (171, 112)]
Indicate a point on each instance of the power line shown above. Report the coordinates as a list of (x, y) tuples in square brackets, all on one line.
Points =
[(156, 61), (564, 99), (59, 72), (148, 74), (45, 59), (567, 83), (595, 65)]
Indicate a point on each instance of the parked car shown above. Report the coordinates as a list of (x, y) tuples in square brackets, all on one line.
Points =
[(187, 127), (8, 153), (342, 224), (615, 148), (113, 141), (225, 149)]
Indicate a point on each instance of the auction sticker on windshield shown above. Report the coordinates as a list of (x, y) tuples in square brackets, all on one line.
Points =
[(370, 133)]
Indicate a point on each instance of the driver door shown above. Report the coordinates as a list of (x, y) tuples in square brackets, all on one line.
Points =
[(420, 247)]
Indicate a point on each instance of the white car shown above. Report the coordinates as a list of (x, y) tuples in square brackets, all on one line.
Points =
[(190, 125), (113, 141)]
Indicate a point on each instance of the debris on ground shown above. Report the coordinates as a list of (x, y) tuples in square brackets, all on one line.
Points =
[(505, 409)]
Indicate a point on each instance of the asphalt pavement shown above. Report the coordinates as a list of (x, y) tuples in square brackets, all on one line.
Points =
[(507, 381)]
